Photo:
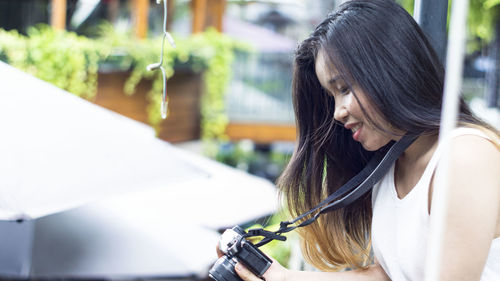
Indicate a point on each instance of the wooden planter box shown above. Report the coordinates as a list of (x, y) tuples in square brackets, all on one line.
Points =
[(184, 92)]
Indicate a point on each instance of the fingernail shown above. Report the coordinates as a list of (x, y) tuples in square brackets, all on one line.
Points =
[(238, 267)]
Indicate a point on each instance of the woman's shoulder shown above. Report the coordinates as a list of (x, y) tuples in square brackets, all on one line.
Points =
[(474, 143), (474, 163), (475, 130), (472, 149), (475, 166), (473, 200), (469, 146)]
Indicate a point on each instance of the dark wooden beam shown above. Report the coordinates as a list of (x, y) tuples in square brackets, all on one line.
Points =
[(170, 13), (113, 10)]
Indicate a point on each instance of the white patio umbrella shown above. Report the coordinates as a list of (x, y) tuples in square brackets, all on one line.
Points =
[(100, 197)]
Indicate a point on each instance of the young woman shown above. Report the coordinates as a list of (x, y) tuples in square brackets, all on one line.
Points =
[(365, 77)]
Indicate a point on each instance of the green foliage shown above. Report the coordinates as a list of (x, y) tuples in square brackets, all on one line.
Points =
[(482, 17), (480, 21), (408, 5), (238, 154), (244, 155), (211, 52), (216, 77), (62, 58), (71, 62)]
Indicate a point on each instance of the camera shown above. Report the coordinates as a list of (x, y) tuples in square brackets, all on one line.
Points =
[(238, 249)]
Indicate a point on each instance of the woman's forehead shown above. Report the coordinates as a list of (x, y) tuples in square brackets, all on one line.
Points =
[(325, 70)]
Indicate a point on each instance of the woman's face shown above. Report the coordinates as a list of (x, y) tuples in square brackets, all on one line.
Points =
[(347, 109)]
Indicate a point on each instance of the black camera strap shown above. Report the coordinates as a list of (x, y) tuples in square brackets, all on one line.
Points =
[(356, 187)]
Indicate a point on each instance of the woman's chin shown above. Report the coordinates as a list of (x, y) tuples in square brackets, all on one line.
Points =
[(370, 146)]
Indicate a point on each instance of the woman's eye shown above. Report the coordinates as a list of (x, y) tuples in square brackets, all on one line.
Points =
[(344, 90)]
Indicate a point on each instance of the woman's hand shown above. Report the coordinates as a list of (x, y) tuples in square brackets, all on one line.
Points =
[(276, 272), (219, 252)]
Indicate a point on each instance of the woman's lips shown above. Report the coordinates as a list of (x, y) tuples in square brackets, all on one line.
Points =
[(356, 132)]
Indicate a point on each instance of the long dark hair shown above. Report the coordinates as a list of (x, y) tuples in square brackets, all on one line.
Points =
[(377, 46)]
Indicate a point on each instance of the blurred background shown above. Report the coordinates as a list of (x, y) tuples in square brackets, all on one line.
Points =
[(229, 78)]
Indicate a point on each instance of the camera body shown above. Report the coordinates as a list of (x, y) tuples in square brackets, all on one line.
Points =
[(237, 249)]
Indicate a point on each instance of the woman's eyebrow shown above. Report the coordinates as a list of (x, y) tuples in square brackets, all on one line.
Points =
[(334, 79)]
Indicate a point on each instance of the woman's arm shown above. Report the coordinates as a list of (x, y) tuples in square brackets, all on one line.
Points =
[(472, 219), (278, 273)]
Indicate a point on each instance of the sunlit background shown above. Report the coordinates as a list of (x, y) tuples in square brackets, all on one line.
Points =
[(229, 101)]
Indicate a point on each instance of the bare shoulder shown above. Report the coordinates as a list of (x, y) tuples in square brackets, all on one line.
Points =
[(475, 180), (475, 160), (473, 206), (475, 165), (473, 150)]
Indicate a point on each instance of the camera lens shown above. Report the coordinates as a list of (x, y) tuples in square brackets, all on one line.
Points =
[(223, 270)]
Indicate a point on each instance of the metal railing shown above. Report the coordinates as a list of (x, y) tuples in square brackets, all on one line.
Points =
[(260, 89)]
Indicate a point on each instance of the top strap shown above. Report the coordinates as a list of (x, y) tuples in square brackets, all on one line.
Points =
[(360, 184)]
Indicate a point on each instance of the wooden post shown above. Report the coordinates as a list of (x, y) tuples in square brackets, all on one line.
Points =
[(58, 16), (113, 10), (199, 9), (170, 13), (207, 13), (218, 7), (141, 9)]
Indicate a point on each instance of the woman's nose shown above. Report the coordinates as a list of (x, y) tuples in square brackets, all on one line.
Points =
[(341, 112)]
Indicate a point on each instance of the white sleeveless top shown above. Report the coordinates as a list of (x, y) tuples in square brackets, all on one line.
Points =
[(400, 226)]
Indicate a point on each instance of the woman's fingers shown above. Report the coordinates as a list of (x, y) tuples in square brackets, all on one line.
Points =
[(245, 274), (219, 252)]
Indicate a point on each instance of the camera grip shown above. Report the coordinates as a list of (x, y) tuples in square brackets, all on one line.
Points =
[(254, 259)]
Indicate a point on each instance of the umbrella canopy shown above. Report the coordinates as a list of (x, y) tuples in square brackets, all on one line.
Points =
[(99, 242), (60, 151), (101, 197)]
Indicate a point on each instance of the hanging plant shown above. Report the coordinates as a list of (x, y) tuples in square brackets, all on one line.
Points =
[(71, 62), (59, 57), (209, 52)]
